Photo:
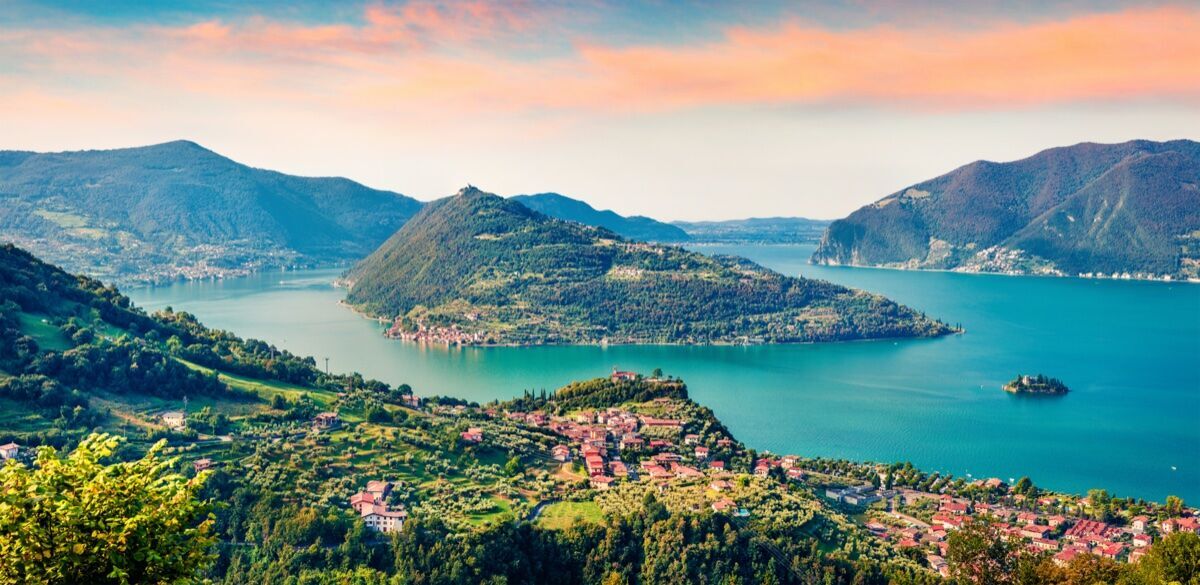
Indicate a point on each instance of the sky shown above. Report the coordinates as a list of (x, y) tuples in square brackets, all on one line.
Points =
[(669, 108)]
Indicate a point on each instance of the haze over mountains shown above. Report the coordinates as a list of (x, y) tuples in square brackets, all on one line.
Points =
[(478, 268), (1130, 208), (179, 210), (634, 227)]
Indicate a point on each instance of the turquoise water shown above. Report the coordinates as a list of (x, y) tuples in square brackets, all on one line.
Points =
[(1129, 351)]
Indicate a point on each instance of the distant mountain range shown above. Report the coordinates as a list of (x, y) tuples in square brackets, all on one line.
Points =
[(179, 210), (756, 230), (765, 230), (1090, 209), (633, 227), (477, 268)]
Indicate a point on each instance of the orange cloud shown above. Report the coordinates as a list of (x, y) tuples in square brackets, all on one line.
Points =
[(456, 57), (1131, 54)]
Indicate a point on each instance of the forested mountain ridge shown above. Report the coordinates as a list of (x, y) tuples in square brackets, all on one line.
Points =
[(478, 268), (633, 227), (176, 209), (1131, 208)]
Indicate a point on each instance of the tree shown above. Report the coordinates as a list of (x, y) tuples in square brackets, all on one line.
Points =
[(979, 555), (1173, 507), (1174, 559), (1023, 486), (513, 467), (74, 519)]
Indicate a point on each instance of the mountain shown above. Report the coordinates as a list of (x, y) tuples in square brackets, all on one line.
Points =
[(478, 268), (634, 227), (179, 210), (756, 230), (1130, 208)]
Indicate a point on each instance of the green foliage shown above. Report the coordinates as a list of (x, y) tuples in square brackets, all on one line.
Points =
[(74, 519), (501, 273)]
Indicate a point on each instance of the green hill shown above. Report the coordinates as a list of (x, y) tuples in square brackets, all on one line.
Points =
[(1090, 208), (634, 227), (482, 269), (76, 355), (179, 210)]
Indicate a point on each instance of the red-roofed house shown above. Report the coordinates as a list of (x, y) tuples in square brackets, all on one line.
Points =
[(601, 482), (561, 453), (9, 450), (1035, 531), (724, 505)]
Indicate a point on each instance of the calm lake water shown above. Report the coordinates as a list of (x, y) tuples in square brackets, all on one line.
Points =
[(1130, 351)]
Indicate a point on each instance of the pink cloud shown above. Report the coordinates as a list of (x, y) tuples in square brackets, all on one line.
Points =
[(456, 57)]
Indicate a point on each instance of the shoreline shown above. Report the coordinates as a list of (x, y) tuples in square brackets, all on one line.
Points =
[(384, 321)]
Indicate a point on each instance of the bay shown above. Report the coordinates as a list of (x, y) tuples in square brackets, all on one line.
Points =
[(1128, 350)]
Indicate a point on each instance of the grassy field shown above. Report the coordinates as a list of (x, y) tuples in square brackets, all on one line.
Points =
[(268, 389), (17, 417), (47, 336), (560, 515)]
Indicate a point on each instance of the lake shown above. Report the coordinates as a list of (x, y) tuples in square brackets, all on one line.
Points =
[(1130, 352)]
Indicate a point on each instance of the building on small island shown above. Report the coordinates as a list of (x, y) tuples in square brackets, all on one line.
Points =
[(1039, 384)]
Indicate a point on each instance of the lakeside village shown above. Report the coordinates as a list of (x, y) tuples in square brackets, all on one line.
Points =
[(604, 443)]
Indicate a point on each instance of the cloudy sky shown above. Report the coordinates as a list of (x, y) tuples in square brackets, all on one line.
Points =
[(674, 109)]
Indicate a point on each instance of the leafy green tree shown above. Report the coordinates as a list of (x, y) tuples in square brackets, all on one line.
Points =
[(1174, 559), (74, 519), (1173, 506), (979, 555), (513, 467)]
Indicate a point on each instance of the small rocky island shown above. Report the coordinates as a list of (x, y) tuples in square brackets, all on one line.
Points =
[(1039, 384)]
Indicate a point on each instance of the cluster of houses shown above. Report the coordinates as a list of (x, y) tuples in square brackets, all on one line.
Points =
[(1067, 537), (443, 335), (789, 464), (597, 438), (371, 506)]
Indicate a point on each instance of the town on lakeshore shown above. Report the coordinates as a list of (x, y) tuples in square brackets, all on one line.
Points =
[(593, 445)]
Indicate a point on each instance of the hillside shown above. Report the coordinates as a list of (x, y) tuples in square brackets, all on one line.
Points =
[(756, 230), (477, 268), (1130, 208), (177, 210), (633, 227), (617, 479)]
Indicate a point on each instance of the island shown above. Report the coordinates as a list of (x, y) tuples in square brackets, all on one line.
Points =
[(477, 269), (1039, 384)]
